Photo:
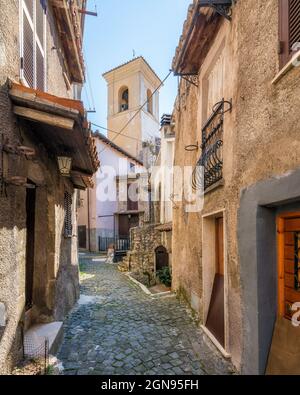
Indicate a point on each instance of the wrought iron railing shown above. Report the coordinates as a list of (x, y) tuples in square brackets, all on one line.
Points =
[(119, 243), (211, 160)]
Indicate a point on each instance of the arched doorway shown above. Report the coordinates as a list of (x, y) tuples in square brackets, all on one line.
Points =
[(161, 258)]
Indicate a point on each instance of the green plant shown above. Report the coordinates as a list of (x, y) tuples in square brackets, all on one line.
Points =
[(165, 276)]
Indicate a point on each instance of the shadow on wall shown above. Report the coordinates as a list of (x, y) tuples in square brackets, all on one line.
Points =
[(67, 283)]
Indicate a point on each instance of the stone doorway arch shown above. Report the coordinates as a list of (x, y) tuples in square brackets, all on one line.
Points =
[(161, 258)]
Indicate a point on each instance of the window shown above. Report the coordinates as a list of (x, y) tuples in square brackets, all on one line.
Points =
[(33, 43), (123, 99), (68, 215), (289, 29), (132, 203), (132, 167), (149, 101)]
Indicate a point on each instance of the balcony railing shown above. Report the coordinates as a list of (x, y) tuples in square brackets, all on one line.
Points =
[(211, 160)]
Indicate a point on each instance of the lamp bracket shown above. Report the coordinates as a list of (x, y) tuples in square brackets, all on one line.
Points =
[(222, 7)]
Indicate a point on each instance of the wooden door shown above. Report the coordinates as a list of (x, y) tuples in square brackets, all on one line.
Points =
[(123, 226), (30, 241), (216, 314), (289, 265), (284, 354)]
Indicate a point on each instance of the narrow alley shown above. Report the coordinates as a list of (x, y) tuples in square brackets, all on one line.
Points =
[(117, 329)]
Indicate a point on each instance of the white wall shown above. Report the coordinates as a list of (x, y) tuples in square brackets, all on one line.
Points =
[(110, 157)]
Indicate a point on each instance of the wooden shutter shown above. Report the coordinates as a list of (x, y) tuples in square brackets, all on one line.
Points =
[(68, 215), (33, 43), (40, 46), (289, 28), (28, 48)]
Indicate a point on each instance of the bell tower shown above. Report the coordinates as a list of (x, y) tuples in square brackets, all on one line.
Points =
[(129, 87)]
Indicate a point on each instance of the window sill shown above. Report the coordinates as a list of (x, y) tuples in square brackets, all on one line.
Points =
[(289, 66), (218, 184)]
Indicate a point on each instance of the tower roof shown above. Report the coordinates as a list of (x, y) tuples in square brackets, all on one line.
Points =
[(138, 59)]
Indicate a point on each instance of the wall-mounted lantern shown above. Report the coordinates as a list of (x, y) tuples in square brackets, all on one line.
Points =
[(64, 165)]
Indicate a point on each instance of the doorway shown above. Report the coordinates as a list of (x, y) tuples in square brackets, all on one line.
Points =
[(215, 322), (30, 244), (161, 258), (288, 264), (284, 354), (126, 222)]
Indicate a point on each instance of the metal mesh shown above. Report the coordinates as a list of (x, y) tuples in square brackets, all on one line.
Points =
[(29, 6), (28, 60), (40, 71), (37, 348), (40, 22)]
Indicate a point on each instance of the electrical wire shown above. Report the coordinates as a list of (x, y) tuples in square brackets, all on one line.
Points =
[(113, 131), (122, 134), (140, 109)]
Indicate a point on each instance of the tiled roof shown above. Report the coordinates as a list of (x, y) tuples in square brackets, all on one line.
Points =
[(165, 227), (73, 136), (131, 61), (116, 147)]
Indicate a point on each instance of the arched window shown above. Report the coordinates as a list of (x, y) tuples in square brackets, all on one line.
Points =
[(123, 99), (150, 101)]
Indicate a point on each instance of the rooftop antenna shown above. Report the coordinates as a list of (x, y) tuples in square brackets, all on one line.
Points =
[(133, 53)]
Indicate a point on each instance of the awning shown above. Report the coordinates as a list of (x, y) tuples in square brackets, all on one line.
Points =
[(60, 124)]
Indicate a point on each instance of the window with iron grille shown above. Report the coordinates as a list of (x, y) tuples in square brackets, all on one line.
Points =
[(211, 159), (68, 215), (289, 29), (33, 43)]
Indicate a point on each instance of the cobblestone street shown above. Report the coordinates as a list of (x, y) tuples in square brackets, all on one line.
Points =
[(117, 329)]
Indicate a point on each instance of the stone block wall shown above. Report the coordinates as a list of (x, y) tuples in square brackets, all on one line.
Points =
[(56, 284), (140, 260)]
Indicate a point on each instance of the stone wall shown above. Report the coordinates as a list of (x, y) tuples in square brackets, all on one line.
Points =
[(140, 260), (56, 285), (261, 141)]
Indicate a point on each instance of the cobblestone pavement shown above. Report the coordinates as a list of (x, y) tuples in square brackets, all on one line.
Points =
[(117, 329)]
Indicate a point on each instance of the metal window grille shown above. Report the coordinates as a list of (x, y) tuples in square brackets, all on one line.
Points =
[(289, 29), (294, 22), (33, 43), (211, 159), (28, 50), (68, 215)]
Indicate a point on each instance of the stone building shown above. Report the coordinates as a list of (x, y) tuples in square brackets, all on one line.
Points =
[(151, 241), (126, 154), (46, 154), (102, 216), (130, 86), (237, 117)]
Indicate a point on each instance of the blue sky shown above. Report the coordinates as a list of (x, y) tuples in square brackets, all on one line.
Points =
[(150, 27)]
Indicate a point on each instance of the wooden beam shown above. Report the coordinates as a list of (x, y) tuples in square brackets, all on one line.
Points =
[(80, 173), (42, 117), (36, 103), (85, 12)]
